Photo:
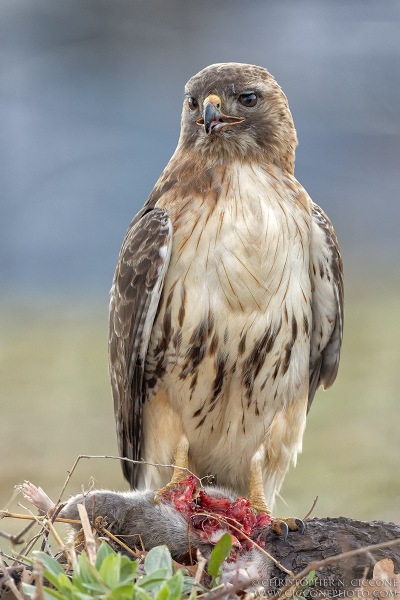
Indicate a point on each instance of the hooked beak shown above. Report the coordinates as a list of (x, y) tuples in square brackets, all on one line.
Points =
[(213, 119)]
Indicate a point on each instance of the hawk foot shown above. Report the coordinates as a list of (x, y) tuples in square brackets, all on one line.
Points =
[(282, 525)]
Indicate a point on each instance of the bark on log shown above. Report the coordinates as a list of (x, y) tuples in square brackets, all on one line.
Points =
[(328, 537)]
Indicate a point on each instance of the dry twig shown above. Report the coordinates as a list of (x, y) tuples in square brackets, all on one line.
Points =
[(311, 509), (115, 539), (201, 563), (88, 533)]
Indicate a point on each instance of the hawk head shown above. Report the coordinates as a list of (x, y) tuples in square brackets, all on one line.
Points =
[(234, 111)]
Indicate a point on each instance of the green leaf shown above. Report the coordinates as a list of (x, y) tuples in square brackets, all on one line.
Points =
[(77, 582), (103, 551), (64, 582), (117, 570), (154, 580), (189, 587), (310, 579), (29, 590), (306, 584), (140, 594), (158, 558), (110, 569), (90, 588), (128, 570), (122, 592), (88, 576), (175, 585), (52, 568), (163, 593), (218, 555), (172, 589), (49, 594)]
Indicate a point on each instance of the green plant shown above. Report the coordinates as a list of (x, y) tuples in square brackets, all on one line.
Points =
[(219, 554), (113, 576), (116, 577)]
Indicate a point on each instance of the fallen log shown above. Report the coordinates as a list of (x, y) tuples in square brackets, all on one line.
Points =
[(327, 538)]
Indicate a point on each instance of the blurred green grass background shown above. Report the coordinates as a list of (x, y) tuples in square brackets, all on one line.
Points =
[(56, 404)]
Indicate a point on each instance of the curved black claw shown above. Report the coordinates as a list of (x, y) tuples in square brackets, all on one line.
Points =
[(301, 526), (281, 528), (285, 530)]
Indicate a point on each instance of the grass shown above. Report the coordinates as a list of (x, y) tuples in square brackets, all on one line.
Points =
[(351, 447), (56, 400), (56, 404)]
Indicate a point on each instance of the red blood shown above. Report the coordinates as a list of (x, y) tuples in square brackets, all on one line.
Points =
[(219, 504), (203, 512)]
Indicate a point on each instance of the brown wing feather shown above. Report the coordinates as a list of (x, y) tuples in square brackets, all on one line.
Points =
[(326, 271), (135, 294)]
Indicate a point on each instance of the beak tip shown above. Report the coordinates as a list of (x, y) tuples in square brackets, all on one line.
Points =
[(213, 119)]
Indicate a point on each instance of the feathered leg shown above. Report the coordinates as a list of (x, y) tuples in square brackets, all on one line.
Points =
[(281, 525)]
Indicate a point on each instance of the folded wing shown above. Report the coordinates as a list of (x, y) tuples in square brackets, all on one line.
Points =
[(326, 272), (135, 295)]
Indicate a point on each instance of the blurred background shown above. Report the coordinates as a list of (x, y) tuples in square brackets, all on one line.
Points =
[(90, 101)]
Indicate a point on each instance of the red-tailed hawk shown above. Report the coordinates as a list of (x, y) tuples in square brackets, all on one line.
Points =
[(226, 305)]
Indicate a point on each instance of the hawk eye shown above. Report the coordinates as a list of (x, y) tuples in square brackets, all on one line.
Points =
[(193, 104), (248, 99)]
